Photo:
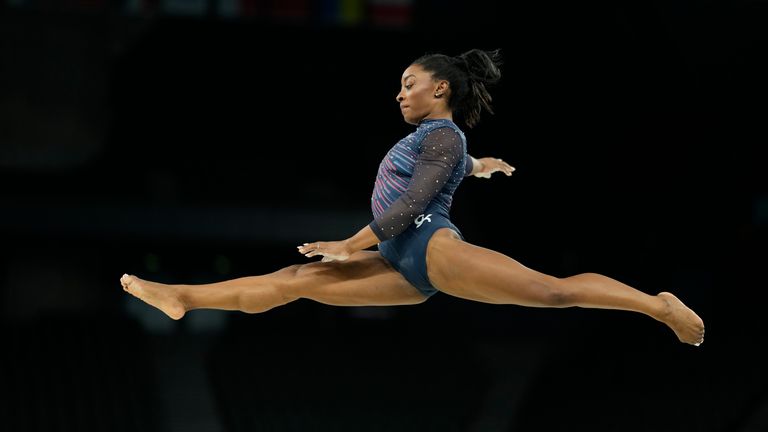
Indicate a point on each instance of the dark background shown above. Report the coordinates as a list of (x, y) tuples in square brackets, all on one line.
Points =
[(192, 148)]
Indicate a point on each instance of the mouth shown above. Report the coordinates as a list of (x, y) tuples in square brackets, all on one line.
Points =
[(403, 107)]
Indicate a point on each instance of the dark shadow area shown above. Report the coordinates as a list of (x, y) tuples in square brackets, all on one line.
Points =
[(85, 372)]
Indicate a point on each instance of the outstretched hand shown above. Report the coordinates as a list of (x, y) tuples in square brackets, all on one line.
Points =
[(491, 165), (330, 251)]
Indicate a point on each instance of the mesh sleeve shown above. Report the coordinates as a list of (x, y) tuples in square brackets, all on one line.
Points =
[(441, 150), (468, 167)]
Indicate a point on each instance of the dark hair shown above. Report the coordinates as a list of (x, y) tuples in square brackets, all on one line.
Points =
[(468, 74)]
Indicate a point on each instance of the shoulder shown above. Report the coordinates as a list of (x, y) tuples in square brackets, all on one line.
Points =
[(444, 127), (439, 126), (441, 142), (442, 136), (444, 131)]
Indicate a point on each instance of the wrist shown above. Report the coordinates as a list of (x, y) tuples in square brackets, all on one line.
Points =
[(348, 246), (364, 239), (478, 166)]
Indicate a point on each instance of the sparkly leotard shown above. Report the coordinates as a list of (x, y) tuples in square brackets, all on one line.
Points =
[(413, 193)]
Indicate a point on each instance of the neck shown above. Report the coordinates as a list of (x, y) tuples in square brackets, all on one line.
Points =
[(440, 114)]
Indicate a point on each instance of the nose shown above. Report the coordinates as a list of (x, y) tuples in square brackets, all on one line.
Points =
[(399, 98)]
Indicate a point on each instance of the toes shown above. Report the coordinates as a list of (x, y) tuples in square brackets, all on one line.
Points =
[(125, 281)]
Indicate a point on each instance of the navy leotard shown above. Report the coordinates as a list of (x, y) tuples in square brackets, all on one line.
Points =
[(413, 193)]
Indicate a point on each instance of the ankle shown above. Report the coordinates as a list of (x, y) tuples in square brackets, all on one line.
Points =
[(183, 295), (663, 310)]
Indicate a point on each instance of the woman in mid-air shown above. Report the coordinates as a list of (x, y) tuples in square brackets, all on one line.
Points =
[(420, 251)]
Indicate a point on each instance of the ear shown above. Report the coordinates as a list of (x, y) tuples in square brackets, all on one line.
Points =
[(441, 88)]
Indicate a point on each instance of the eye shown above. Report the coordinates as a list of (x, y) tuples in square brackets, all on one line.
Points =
[(408, 86)]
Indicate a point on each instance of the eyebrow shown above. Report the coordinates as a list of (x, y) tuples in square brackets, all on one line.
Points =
[(406, 77)]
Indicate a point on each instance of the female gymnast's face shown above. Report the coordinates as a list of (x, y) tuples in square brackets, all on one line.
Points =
[(417, 94)]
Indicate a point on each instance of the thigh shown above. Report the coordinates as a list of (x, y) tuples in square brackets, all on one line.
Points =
[(365, 279), (472, 272)]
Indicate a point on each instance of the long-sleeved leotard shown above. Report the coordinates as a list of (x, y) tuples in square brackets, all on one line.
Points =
[(422, 169)]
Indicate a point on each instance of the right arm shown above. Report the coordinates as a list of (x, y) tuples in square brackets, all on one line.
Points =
[(439, 153)]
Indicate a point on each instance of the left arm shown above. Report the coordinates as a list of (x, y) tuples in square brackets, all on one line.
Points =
[(484, 167)]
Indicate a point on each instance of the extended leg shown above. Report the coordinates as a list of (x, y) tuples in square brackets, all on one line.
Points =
[(365, 279), (476, 273)]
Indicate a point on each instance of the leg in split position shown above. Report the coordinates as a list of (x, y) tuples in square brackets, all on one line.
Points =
[(464, 270), (365, 279), (455, 267)]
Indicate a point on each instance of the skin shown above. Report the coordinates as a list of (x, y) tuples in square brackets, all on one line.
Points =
[(350, 275)]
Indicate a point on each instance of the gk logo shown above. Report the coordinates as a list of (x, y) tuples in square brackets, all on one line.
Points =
[(420, 220)]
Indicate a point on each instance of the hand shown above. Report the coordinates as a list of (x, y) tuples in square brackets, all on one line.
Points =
[(491, 165), (331, 251)]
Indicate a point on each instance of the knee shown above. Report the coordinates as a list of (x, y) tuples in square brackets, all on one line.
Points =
[(298, 280), (288, 285), (293, 270), (554, 292)]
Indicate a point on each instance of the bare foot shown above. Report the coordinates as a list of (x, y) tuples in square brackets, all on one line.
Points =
[(156, 294), (688, 327)]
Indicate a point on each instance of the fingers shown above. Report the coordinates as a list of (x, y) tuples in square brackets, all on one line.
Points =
[(326, 250), (309, 249), (505, 167)]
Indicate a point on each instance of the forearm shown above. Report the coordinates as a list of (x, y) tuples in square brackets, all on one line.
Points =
[(364, 239)]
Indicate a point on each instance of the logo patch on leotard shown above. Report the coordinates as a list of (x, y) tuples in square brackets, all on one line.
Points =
[(420, 220)]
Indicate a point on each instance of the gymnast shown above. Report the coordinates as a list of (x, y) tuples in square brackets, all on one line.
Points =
[(419, 250)]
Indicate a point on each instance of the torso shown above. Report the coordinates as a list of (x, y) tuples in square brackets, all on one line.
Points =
[(396, 169)]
